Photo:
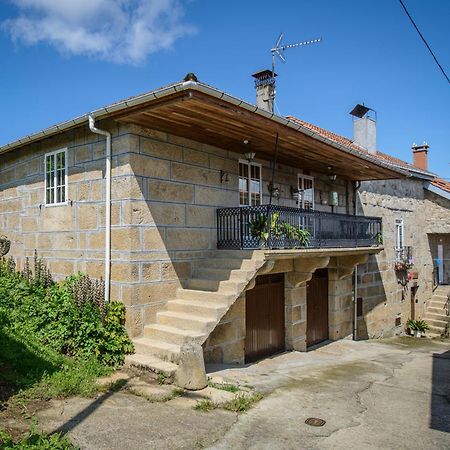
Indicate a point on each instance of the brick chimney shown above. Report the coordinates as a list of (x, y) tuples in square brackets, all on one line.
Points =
[(420, 156)]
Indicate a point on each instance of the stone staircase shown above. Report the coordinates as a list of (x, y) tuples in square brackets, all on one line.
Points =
[(436, 313), (215, 285)]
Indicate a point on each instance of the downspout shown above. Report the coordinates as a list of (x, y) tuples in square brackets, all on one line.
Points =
[(107, 205), (356, 186)]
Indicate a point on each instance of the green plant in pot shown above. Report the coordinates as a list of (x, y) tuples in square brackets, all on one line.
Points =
[(299, 234), (421, 327), (258, 228), (411, 325), (417, 327)]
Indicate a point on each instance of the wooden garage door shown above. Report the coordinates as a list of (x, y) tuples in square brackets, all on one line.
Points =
[(264, 318), (317, 308)]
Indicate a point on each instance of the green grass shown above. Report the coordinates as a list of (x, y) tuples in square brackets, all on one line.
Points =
[(30, 370), (36, 441), (162, 378), (242, 403), (205, 405), (224, 387)]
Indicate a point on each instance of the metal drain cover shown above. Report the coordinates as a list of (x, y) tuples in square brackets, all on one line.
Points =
[(315, 422)]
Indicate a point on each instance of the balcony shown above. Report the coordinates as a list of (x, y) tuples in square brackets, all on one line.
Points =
[(280, 227)]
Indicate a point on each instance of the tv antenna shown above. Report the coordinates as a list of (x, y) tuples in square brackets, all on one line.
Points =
[(280, 48)]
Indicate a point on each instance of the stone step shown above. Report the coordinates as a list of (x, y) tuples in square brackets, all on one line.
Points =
[(435, 310), (437, 330), (442, 290), (152, 364), (213, 273), (190, 294), (432, 335), (437, 316), (171, 335), (205, 309), (435, 322), (185, 321), (159, 349), (435, 304), (227, 286), (440, 297)]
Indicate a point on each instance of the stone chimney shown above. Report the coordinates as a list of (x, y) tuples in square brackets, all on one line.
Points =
[(265, 89), (420, 156), (365, 127)]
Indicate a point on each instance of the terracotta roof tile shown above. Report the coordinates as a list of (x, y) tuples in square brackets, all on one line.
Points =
[(442, 184), (349, 143)]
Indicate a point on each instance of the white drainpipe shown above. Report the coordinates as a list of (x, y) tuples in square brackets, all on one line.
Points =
[(107, 205)]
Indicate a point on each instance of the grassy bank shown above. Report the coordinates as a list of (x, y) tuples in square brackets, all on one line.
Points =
[(56, 339)]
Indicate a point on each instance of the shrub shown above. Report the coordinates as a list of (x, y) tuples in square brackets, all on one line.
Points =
[(71, 317)]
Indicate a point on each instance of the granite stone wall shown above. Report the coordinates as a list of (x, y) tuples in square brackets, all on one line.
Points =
[(386, 302), (165, 191)]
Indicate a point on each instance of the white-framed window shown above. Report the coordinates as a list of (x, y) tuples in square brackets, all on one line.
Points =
[(250, 185), (399, 234), (305, 192), (56, 177)]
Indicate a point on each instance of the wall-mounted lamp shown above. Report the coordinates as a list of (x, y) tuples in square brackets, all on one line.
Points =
[(249, 156), (224, 177), (294, 192), (274, 191)]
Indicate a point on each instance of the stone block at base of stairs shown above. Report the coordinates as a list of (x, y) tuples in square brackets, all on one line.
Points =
[(191, 372), (152, 364)]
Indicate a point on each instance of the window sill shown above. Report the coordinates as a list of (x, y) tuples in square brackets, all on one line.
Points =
[(52, 205)]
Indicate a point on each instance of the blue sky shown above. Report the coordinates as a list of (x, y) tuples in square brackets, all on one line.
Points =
[(62, 59)]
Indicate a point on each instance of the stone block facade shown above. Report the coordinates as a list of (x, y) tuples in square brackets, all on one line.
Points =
[(386, 302), (165, 191), (226, 344)]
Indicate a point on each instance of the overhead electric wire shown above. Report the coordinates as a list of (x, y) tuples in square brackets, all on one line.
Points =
[(424, 40)]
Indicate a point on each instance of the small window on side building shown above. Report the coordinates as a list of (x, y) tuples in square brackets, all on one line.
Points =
[(56, 177), (399, 234)]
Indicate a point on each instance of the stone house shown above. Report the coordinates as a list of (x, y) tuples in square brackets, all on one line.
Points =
[(195, 207), (416, 229)]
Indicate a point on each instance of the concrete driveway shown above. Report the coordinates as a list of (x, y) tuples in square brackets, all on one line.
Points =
[(392, 394)]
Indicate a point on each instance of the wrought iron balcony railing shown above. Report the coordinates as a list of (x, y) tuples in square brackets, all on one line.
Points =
[(277, 227)]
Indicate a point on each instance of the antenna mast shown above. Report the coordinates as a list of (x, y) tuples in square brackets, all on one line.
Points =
[(279, 49)]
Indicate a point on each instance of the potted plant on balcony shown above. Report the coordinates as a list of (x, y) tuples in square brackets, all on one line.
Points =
[(258, 229), (298, 234)]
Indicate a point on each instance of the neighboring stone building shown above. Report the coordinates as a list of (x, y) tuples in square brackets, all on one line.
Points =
[(193, 170), (416, 226)]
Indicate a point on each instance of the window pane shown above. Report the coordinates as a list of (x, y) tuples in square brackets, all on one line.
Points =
[(60, 160), (243, 170), (256, 198), (243, 198), (306, 197), (49, 164)]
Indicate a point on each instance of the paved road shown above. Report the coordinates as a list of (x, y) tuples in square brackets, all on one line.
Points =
[(390, 395)]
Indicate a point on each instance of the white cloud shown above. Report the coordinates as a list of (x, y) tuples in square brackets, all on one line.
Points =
[(123, 31)]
